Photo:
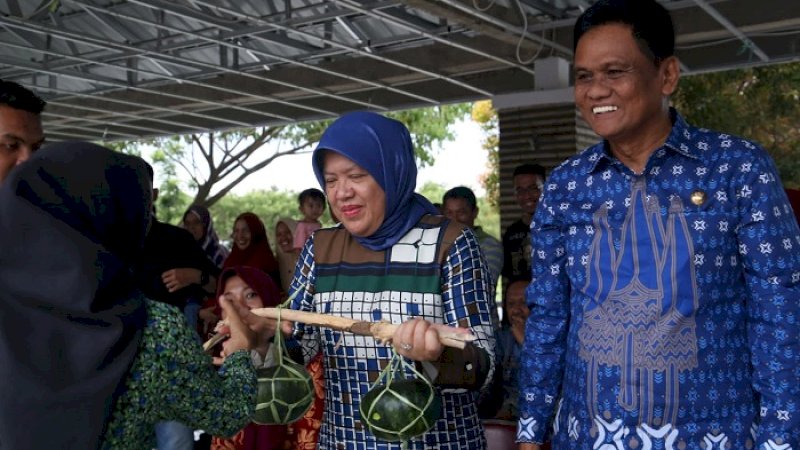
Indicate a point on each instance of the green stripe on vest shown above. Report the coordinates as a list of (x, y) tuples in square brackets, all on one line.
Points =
[(371, 283)]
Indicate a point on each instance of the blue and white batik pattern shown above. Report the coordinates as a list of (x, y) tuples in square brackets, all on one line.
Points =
[(664, 307)]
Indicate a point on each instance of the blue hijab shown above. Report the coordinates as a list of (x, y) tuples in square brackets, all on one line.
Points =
[(382, 147)]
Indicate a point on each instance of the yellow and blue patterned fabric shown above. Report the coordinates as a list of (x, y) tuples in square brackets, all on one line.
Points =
[(173, 379), (431, 272), (664, 305)]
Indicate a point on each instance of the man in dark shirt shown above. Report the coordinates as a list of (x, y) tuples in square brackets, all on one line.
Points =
[(175, 270), (20, 125), (528, 182)]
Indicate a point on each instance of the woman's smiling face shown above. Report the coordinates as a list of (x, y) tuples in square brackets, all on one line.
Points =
[(283, 235), (355, 197), (241, 234)]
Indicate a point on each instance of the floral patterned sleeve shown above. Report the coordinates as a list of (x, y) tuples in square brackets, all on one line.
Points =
[(173, 379)]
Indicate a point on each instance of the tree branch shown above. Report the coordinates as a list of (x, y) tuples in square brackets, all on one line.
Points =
[(248, 171)]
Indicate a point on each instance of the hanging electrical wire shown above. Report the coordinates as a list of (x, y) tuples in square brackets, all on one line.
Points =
[(525, 34), (482, 9)]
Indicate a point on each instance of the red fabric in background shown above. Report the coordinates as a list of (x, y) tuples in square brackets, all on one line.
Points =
[(258, 254), (794, 200)]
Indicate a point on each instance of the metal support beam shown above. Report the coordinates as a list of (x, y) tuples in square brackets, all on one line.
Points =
[(166, 74), (711, 11), (133, 51), (68, 121), (352, 49), (166, 6), (114, 83), (507, 26), (397, 21), (546, 7), (153, 117)]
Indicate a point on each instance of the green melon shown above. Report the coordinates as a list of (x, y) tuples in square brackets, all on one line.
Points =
[(285, 392), (400, 411)]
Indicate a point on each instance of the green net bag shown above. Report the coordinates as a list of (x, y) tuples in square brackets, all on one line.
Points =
[(399, 409), (285, 391)]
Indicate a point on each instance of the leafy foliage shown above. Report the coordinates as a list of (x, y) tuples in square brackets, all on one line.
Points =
[(273, 204), (486, 116), (269, 205), (762, 104)]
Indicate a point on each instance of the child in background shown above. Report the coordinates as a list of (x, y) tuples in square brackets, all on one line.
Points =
[(312, 205)]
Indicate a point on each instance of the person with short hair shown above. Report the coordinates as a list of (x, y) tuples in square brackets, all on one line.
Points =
[(501, 402), (528, 180), (666, 275), (176, 270), (21, 131), (460, 204)]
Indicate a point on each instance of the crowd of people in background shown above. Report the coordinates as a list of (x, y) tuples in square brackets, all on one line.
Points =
[(647, 291)]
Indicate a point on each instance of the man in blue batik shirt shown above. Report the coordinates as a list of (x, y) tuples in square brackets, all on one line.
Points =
[(666, 267)]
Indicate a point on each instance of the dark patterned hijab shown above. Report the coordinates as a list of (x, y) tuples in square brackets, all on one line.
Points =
[(72, 220), (215, 251)]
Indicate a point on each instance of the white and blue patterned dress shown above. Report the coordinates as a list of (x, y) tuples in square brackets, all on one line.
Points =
[(664, 307), (435, 272)]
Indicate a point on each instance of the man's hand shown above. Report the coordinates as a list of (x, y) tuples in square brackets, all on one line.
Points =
[(176, 279)]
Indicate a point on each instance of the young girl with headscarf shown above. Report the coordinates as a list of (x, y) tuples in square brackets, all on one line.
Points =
[(392, 258), (250, 248), (252, 288)]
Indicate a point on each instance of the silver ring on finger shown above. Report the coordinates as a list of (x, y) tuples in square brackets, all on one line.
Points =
[(406, 346)]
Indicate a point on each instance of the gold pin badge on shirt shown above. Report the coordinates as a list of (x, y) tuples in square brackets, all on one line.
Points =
[(698, 197)]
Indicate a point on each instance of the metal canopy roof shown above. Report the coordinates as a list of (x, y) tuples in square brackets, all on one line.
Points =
[(123, 69)]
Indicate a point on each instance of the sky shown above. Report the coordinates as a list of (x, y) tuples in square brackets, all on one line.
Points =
[(459, 162)]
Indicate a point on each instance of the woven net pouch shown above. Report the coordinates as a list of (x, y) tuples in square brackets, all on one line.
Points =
[(285, 391)]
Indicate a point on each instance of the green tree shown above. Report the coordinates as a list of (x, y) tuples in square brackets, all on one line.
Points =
[(432, 191), (486, 117), (762, 104), (269, 205), (216, 162)]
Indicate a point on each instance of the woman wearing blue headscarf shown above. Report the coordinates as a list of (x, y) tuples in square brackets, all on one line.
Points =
[(392, 258)]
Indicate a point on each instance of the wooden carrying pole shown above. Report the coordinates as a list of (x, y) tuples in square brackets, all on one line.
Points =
[(383, 331)]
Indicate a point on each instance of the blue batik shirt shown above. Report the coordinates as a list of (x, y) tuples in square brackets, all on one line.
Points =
[(664, 307)]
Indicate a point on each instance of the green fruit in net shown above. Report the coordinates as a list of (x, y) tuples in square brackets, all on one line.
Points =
[(285, 392), (400, 411)]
